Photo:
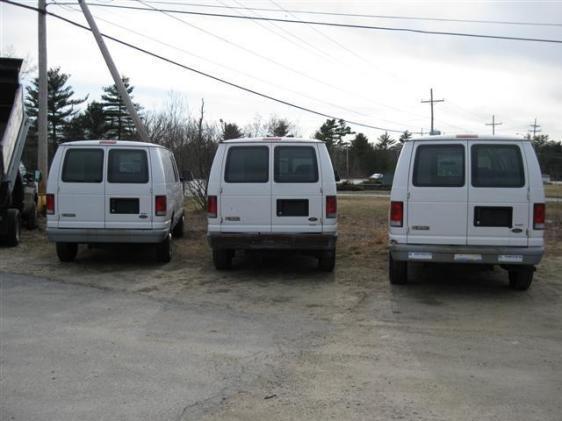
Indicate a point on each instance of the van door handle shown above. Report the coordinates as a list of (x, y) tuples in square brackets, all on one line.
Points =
[(517, 230)]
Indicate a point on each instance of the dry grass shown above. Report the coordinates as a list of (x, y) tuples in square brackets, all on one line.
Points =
[(553, 190)]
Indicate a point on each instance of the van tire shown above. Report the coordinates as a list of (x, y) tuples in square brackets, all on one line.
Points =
[(13, 223), (327, 261), (222, 259), (31, 222), (520, 280), (177, 232), (397, 271), (67, 251), (164, 250)]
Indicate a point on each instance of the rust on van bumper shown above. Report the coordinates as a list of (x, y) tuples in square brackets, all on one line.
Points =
[(467, 254), (242, 241)]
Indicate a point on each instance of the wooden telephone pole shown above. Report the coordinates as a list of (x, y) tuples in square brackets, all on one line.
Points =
[(493, 124), (431, 101)]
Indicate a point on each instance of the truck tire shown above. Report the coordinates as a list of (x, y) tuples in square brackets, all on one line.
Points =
[(397, 271), (327, 261), (222, 259), (177, 232), (164, 250), (67, 251), (520, 280), (13, 231)]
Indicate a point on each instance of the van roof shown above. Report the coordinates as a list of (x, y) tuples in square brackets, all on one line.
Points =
[(470, 136), (110, 142), (271, 139)]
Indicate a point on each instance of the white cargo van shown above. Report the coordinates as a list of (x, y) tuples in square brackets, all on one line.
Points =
[(467, 199), (111, 191), (272, 194)]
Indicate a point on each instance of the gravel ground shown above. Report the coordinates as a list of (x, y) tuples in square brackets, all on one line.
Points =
[(117, 336)]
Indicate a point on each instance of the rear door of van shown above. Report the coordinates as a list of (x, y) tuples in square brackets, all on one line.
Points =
[(128, 191), (245, 193), (296, 192), (498, 208), (81, 187), (438, 193)]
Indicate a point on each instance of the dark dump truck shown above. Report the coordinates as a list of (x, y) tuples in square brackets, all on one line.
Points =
[(14, 125)]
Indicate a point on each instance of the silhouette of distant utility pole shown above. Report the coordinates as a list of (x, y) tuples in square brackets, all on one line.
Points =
[(536, 127), (431, 101), (493, 124)]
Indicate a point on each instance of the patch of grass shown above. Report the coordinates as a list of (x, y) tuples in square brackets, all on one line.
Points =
[(553, 190)]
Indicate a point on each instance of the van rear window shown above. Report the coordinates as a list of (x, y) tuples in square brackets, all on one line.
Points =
[(439, 166), (295, 164), (247, 164), (127, 166), (83, 166), (497, 166)]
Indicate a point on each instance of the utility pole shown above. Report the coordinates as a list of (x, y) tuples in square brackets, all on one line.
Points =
[(141, 130), (536, 128), (493, 124), (431, 101), (42, 143)]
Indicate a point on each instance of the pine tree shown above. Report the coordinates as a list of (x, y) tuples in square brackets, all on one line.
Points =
[(231, 131), (117, 119), (60, 105)]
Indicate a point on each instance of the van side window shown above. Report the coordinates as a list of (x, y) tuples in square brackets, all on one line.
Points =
[(83, 166), (295, 164), (497, 166), (439, 166), (176, 173), (127, 166), (247, 164)]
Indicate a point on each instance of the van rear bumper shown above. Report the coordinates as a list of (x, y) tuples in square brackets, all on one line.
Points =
[(467, 254), (103, 235), (244, 241)]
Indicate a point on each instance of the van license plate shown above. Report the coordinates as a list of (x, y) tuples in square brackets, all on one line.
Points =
[(416, 255), (468, 257), (510, 258)]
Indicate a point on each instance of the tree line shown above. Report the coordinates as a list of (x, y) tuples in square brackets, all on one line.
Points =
[(194, 139)]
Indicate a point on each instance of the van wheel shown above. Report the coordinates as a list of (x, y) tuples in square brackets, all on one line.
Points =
[(397, 271), (222, 258), (521, 279), (67, 251), (31, 222), (164, 250), (13, 222), (177, 232), (327, 261)]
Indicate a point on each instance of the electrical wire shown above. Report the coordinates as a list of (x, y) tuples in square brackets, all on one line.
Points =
[(369, 16), (199, 72), (336, 25)]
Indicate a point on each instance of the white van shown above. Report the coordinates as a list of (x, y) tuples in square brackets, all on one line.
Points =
[(467, 199), (112, 191), (272, 194)]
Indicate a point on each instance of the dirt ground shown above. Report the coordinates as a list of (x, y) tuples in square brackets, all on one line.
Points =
[(361, 259), (456, 343)]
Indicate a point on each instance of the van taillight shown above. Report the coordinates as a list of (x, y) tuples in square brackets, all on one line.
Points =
[(538, 216), (212, 206), (331, 206), (160, 205), (50, 204), (396, 214)]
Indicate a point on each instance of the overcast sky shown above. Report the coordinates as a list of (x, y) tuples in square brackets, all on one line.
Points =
[(370, 76)]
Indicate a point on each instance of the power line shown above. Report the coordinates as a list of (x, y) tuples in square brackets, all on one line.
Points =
[(208, 75), (337, 25), (215, 63), (359, 15), (263, 57)]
